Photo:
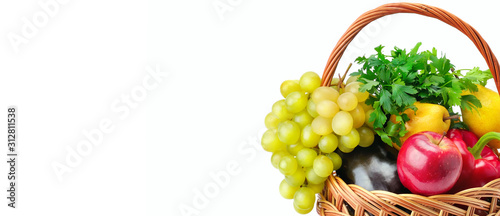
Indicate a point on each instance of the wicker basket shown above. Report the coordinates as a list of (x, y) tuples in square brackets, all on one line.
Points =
[(338, 198)]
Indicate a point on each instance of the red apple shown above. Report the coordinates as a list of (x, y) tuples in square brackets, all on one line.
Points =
[(429, 163)]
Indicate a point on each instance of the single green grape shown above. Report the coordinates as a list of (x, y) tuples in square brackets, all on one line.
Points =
[(351, 140), (297, 178), (308, 137), (304, 200), (327, 108), (323, 166), (289, 86), (351, 79), (296, 101), (279, 109), (354, 88), (366, 136), (272, 121), (336, 160), (287, 165), (321, 125), (276, 158), (287, 191), (312, 177), (342, 123), (288, 132), (311, 109), (324, 93), (293, 149), (365, 106), (367, 118), (328, 143), (309, 81), (306, 156), (344, 149), (302, 118), (358, 116), (302, 211), (317, 188), (335, 81), (347, 101), (270, 141)]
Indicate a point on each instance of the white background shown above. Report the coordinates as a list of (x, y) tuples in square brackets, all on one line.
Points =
[(224, 74)]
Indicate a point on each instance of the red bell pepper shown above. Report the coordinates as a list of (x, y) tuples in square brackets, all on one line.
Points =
[(457, 137), (480, 163)]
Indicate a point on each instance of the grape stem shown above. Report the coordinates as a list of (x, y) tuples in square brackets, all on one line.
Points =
[(339, 85), (341, 79)]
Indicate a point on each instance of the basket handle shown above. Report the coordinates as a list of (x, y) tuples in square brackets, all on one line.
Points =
[(404, 7)]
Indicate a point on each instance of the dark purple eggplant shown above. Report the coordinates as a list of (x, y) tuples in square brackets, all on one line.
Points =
[(373, 168)]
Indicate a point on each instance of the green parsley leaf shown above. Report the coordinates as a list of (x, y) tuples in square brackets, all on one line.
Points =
[(401, 94), (476, 76), (368, 85), (470, 102), (386, 102)]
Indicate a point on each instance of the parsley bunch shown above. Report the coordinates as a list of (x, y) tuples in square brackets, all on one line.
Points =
[(398, 80)]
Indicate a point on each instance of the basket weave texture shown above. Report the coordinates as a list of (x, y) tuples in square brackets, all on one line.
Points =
[(338, 197)]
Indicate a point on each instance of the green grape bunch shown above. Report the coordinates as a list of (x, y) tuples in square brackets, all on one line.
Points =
[(307, 126)]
